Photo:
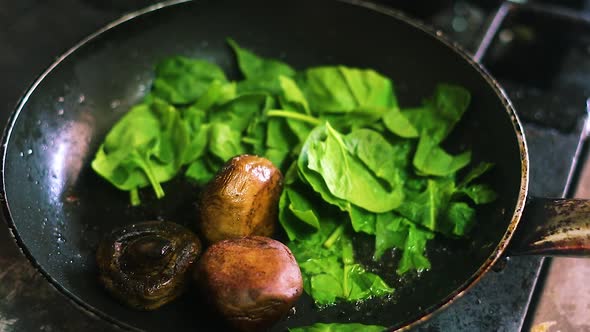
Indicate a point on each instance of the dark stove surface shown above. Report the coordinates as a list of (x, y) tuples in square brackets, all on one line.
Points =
[(540, 56)]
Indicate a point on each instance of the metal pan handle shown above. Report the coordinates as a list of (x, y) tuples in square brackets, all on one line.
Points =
[(553, 227)]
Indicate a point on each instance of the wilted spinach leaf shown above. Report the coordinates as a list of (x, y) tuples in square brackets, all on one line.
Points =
[(326, 259), (439, 114)]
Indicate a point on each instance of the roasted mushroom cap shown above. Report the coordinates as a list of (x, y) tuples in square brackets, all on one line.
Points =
[(241, 200), (146, 265), (252, 281)]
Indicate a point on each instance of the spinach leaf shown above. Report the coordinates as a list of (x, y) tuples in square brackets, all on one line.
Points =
[(339, 327), (296, 108), (439, 115), (396, 122), (353, 119), (292, 94), (461, 216), (224, 141), (368, 87), (387, 161), (295, 208), (313, 178), (344, 175), (279, 140), (182, 80), (362, 220), (218, 92), (395, 231), (145, 147), (391, 231), (413, 256), (239, 112), (261, 74), (201, 171), (330, 272), (475, 173), (479, 193), (431, 159), (336, 89), (253, 65), (425, 208), (198, 133)]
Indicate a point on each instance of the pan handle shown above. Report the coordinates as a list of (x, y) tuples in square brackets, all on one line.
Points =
[(553, 227)]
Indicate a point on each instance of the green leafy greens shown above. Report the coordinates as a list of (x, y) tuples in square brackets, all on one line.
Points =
[(338, 327), (354, 161)]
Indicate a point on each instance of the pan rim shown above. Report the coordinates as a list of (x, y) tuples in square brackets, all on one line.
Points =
[(438, 35)]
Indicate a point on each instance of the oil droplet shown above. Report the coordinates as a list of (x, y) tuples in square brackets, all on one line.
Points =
[(459, 24), (29, 152), (506, 36), (115, 103), (22, 154)]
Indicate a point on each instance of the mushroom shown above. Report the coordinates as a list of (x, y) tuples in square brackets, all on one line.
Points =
[(241, 200), (251, 281), (146, 265)]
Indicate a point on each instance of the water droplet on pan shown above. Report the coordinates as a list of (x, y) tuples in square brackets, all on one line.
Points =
[(115, 103)]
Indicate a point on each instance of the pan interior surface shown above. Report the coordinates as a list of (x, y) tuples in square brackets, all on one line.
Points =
[(59, 208)]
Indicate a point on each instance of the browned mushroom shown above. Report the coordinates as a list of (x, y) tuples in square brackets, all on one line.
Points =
[(252, 281), (241, 200), (146, 265)]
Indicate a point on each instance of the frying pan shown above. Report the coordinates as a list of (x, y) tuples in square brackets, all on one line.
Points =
[(58, 208)]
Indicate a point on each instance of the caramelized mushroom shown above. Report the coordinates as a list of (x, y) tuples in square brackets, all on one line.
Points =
[(145, 265), (252, 281), (241, 200)]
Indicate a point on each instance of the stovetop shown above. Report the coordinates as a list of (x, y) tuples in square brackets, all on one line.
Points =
[(539, 51)]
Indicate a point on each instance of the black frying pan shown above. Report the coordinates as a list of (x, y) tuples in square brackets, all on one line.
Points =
[(59, 208)]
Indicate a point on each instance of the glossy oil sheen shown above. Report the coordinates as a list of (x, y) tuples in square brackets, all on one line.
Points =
[(59, 208)]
